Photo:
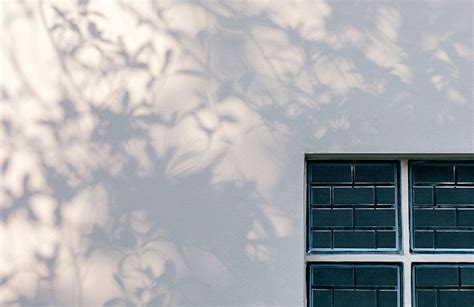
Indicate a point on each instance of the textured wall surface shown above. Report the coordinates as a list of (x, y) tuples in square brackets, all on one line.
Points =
[(152, 152)]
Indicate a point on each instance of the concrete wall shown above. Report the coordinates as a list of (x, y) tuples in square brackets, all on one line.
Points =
[(152, 152)]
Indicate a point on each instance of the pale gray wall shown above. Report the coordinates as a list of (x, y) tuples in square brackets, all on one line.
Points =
[(153, 151)]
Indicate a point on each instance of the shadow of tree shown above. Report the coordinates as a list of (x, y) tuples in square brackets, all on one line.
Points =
[(150, 150)]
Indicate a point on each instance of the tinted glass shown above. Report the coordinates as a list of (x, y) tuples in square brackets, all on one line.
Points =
[(353, 206), (442, 206), (443, 285), (356, 285)]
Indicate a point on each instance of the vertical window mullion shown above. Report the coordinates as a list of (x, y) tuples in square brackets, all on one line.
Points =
[(405, 230)]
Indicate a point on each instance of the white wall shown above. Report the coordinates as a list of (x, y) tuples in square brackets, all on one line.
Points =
[(153, 151)]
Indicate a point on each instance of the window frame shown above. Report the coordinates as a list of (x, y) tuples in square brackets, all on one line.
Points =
[(434, 265), (398, 217), (412, 213), (405, 256)]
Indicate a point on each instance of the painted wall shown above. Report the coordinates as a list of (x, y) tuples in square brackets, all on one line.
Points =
[(152, 152)]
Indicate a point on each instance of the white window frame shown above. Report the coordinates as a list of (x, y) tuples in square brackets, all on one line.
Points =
[(405, 257)]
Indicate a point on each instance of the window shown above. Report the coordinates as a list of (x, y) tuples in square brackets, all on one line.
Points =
[(383, 230), (438, 285), (442, 206), (353, 206), (341, 285)]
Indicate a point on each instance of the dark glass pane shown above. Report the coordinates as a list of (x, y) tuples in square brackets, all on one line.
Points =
[(333, 276), (321, 298), (375, 217), (424, 239), (467, 276), (465, 173), (435, 217), (331, 173), (353, 196), (360, 298), (354, 239), (456, 196), (423, 196), (436, 276), (386, 239), (426, 298), (321, 196), (331, 217), (387, 298), (466, 217), (433, 173), (374, 173), (385, 196), (321, 239), (455, 239), (456, 298), (366, 276)]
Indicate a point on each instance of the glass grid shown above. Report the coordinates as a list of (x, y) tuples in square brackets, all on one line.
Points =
[(442, 206), (443, 285), (353, 207), (356, 285)]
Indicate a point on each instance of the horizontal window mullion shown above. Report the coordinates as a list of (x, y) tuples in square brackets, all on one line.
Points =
[(355, 185)]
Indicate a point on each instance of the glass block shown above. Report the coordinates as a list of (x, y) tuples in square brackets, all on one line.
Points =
[(432, 173), (386, 239), (466, 217), (454, 196), (387, 298), (321, 239), (382, 276), (331, 217), (354, 196), (332, 275), (331, 173), (321, 298), (374, 173), (385, 196), (321, 196), (349, 239), (423, 195), (460, 239), (424, 239), (354, 284), (355, 298), (375, 217), (465, 173), (434, 217), (426, 298)]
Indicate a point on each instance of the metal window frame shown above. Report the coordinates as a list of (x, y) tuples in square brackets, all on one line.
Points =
[(406, 256), (411, 212), (397, 206), (399, 266), (433, 265)]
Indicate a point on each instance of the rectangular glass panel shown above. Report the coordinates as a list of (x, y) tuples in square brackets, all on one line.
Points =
[(353, 206), (351, 284), (442, 206), (443, 285)]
